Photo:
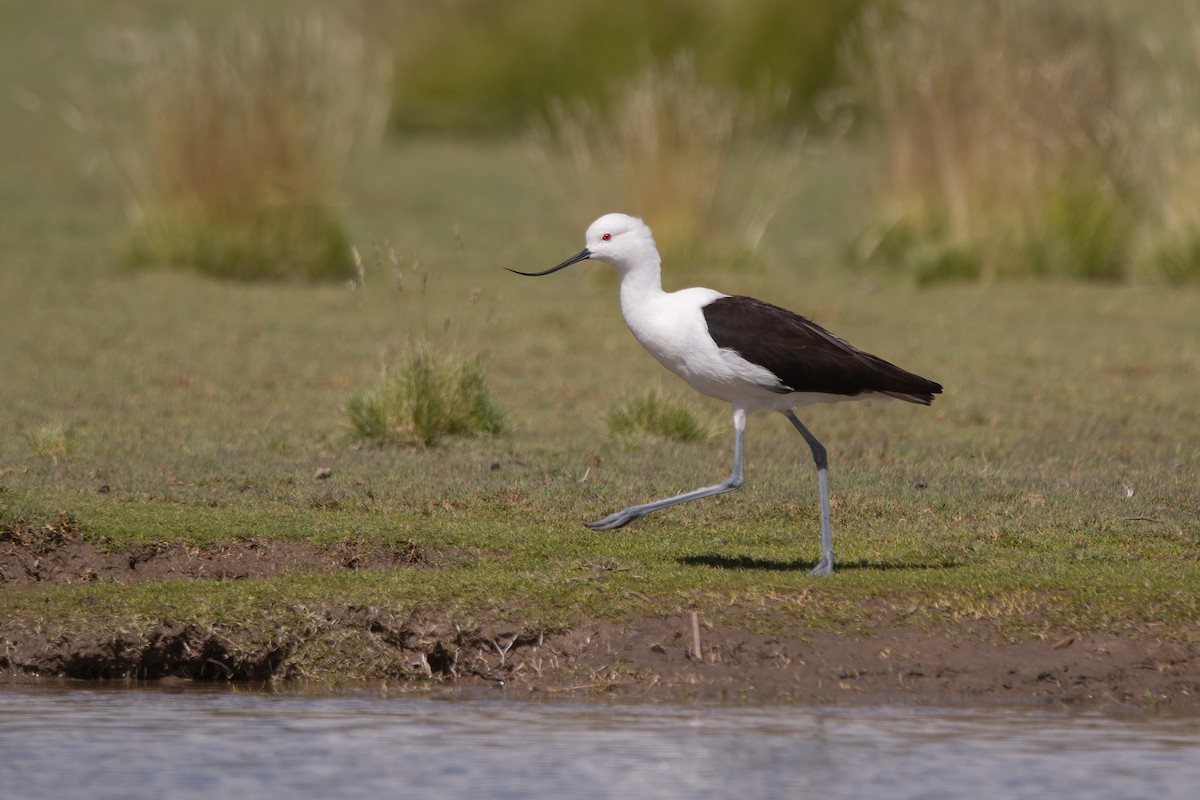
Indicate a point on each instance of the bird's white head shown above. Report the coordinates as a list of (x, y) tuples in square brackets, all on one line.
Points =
[(623, 241)]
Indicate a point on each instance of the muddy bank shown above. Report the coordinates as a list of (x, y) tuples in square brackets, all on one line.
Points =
[(649, 658), (661, 658)]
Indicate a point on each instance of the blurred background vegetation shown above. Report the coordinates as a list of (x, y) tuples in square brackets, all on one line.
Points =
[(993, 139), (974, 142), (489, 66)]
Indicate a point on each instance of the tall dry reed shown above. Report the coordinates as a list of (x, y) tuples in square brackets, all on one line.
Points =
[(667, 148), (234, 146), (1169, 158), (1005, 134)]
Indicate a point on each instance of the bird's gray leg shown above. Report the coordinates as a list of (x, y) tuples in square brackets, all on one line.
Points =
[(734, 480), (821, 458)]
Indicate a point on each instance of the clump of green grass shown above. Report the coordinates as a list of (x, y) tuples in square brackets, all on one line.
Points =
[(653, 413), (236, 144), (1004, 128), (424, 398), (666, 148)]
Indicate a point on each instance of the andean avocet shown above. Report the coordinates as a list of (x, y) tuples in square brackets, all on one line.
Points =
[(751, 354)]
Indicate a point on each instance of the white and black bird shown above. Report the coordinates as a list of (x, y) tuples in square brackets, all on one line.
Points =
[(751, 354)]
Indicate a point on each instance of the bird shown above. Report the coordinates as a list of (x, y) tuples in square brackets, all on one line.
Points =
[(749, 353)]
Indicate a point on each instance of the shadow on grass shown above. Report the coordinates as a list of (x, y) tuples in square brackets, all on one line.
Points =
[(767, 564)]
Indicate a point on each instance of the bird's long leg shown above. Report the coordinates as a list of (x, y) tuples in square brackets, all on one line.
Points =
[(734, 480), (821, 459)]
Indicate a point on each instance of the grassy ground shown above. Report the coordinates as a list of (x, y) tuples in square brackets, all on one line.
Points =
[(1055, 486)]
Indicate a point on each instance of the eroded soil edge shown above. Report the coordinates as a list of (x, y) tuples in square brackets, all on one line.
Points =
[(649, 658)]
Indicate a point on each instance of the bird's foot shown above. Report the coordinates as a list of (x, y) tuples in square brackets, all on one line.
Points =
[(618, 520), (824, 566)]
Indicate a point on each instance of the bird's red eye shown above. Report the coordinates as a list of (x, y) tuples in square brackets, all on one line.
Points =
[(606, 237)]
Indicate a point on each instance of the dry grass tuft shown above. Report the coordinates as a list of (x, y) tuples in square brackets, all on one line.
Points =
[(52, 440), (236, 146), (1170, 163), (1005, 137), (666, 149)]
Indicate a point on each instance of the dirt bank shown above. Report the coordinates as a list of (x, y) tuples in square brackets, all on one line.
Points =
[(651, 658)]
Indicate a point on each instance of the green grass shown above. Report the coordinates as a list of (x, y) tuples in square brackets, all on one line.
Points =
[(1055, 485)]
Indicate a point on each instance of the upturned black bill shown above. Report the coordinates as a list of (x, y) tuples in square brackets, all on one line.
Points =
[(580, 256)]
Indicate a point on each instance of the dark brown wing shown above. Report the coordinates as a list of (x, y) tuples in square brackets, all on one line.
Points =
[(805, 356)]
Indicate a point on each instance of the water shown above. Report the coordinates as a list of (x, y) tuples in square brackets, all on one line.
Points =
[(129, 744)]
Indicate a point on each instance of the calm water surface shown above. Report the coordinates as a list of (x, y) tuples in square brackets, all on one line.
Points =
[(96, 743)]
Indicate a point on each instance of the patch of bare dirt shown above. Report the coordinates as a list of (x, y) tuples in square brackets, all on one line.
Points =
[(50, 554), (822, 666)]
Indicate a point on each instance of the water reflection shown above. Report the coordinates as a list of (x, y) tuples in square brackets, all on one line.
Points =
[(155, 744)]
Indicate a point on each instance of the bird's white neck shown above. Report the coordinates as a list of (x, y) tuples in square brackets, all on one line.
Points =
[(640, 284)]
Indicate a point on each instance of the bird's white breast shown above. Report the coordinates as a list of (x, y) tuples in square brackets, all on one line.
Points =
[(671, 326)]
